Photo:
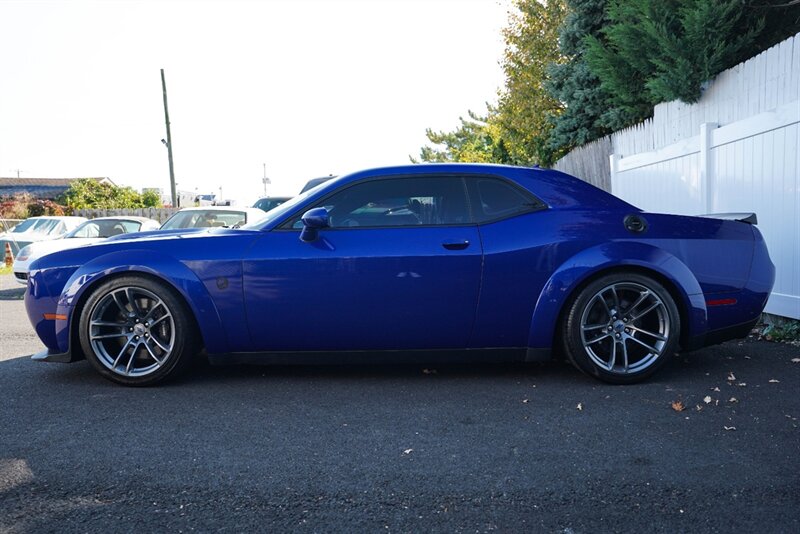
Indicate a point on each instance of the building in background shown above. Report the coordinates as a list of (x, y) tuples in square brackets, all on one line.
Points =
[(40, 188)]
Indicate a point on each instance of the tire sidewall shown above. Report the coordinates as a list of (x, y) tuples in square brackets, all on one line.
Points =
[(571, 327), (184, 344)]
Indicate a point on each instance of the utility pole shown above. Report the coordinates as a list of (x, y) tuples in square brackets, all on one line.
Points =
[(265, 180), (169, 144)]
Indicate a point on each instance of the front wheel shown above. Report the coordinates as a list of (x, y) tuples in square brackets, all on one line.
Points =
[(621, 328), (136, 331)]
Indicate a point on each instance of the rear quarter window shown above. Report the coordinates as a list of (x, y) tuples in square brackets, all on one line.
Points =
[(494, 199)]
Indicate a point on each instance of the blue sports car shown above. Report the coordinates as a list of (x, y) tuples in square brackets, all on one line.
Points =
[(412, 263)]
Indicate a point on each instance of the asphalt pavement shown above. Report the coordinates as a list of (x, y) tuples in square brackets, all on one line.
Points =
[(710, 444)]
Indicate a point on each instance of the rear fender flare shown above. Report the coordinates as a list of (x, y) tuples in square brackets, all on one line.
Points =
[(164, 268), (594, 261)]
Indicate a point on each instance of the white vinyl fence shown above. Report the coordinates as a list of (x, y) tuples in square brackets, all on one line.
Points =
[(736, 150)]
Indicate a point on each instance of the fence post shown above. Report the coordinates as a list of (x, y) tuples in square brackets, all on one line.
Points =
[(613, 163), (706, 171)]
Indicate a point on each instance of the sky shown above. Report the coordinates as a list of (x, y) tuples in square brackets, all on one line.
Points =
[(308, 88)]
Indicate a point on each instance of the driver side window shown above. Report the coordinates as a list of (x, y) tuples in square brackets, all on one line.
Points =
[(397, 202)]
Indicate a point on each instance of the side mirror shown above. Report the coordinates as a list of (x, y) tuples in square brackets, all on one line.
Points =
[(313, 221)]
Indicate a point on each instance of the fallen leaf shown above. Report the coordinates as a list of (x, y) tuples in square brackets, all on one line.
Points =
[(678, 406), (733, 399), (731, 376), (407, 451), (741, 384), (698, 408), (773, 381), (579, 406), (707, 399), (715, 389), (795, 360), (729, 427), (524, 401)]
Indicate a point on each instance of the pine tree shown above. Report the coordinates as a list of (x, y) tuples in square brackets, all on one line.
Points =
[(660, 50), (574, 84)]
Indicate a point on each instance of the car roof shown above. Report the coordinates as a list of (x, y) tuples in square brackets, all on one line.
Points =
[(216, 208), (554, 188), (124, 218), (56, 217)]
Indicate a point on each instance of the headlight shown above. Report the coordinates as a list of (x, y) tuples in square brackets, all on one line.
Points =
[(24, 254)]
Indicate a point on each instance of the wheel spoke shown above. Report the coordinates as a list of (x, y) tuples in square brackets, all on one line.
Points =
[(645, 332), (165, 316), (108, 323), (132, 300), (595, 340), (109, 336), (647, 310), (119, 356), (645, 345), (157, 342), (613, 359), (625, 355), (152, 354), (131, 359), (152, 309), (588, 327), (642, 297), (616, 298), (122, 307), (605, 304)]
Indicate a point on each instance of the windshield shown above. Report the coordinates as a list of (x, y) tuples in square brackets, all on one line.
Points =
[(39, 226), (205, 219), (103, 228)]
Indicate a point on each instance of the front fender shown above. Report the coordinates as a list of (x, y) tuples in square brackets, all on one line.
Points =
[(595, 260), (167, 269)]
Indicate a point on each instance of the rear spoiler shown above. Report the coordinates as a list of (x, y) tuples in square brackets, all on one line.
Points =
[(749, 218)]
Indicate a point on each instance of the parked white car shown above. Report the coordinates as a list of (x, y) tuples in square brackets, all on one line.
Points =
[(35, 229), (87, 233), (212, 216)]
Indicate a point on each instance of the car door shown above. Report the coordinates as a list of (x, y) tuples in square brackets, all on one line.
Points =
[(399, 268)]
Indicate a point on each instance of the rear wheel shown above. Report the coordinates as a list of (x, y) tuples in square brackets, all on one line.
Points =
[(621, 328), (136, 331)]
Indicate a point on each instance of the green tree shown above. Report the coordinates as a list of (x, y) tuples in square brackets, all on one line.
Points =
[(574, 85), (517, 130), (526, 109), (476, 140), (151, 199), (87, 193), (660, 50)]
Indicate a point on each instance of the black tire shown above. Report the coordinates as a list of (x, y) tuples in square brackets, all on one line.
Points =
[(137, 331), (610, 338)]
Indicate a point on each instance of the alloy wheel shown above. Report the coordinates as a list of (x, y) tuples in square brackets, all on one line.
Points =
[(625, 328), (132, 331)]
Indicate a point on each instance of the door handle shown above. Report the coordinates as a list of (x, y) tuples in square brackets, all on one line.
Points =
[(456, 244)]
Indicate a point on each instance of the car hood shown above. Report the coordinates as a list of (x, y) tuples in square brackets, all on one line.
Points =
[(28, 236), (40, 248), (174, 233)]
